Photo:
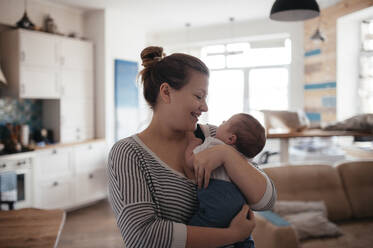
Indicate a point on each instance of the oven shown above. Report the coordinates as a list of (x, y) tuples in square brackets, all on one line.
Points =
[(21, 164)]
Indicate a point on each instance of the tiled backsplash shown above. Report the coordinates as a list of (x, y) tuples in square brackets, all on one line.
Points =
[(21, 111)]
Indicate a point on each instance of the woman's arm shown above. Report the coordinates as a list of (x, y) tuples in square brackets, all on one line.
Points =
[(252, 182), (133, 206), (240, 228)]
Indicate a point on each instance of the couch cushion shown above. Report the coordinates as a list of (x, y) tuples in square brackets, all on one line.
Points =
[(356, 234), (357, 178), (312, 183)]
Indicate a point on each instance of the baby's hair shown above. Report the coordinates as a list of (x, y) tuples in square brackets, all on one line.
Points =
[(251, 136), (173, 69)]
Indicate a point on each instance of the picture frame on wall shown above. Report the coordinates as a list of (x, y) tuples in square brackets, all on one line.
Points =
[(126, 98)]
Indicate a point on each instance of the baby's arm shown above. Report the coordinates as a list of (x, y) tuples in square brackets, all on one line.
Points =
[(189, 155)]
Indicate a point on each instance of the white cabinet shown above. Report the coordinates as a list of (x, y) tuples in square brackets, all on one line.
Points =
[(53, 178), (91, 179), (77, 120), (36, 49), (75, 54), (46, 66), (36, 82), (30, 64), (54, 193), (70, 176)]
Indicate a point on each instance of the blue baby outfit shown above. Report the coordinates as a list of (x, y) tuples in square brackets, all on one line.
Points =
[(218, 205)]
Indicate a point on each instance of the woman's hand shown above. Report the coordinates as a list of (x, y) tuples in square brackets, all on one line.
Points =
[(242, 224), (207, 161)]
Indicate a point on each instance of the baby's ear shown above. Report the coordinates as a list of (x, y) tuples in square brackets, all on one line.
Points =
[(232, 139)]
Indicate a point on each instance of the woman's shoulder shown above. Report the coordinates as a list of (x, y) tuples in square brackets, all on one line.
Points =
[(127, 147)]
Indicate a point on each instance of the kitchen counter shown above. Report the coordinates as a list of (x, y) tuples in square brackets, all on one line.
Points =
[(58, 145), (31, 227), (21, 155)]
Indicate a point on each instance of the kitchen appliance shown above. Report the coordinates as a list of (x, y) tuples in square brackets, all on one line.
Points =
[(21, 164)]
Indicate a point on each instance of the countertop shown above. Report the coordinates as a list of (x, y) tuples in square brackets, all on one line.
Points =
[(31, 227), (22, 155)]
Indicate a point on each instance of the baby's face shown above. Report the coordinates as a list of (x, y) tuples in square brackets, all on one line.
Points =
[(223, 131)]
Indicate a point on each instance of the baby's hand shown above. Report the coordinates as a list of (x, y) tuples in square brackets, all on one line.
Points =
[(189, 156)]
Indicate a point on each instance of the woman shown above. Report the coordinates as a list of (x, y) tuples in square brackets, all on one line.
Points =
[(152, 191)]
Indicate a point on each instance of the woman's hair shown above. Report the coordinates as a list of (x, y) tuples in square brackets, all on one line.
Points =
[(251, 136), (173, 69)]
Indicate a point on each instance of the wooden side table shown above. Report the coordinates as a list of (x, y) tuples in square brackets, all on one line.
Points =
[(284, 138), (30, 227)]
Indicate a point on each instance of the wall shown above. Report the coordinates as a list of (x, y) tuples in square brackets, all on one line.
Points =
[(257, 29), (349, 46), (94, 29), (116, 37), (67, 19), (320, 60)]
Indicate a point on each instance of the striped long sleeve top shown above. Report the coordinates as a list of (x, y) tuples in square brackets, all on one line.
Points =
[(151, 201)]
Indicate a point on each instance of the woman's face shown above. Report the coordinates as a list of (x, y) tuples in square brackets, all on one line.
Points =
[(188, 103)]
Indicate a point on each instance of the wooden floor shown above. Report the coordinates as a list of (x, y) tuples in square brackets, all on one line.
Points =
[(92, 226)]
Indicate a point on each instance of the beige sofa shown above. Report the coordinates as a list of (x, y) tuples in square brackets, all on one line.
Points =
[(346, 189)]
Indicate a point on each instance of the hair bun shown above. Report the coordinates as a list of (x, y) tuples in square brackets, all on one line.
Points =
[(151, 55)]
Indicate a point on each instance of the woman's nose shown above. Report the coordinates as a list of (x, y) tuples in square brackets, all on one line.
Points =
[(204, 107)]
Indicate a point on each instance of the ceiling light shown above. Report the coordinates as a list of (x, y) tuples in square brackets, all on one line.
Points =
[(294, 10)]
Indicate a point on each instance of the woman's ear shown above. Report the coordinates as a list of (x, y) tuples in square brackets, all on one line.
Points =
[(232, 139), (164, 92)]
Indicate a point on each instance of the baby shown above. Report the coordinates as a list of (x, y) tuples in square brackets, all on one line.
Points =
[(222, 199)]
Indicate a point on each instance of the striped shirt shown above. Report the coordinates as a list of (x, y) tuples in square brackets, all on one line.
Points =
[(151, 201)]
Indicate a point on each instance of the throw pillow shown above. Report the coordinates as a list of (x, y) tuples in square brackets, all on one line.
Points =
[(283, 208), (312, 224)]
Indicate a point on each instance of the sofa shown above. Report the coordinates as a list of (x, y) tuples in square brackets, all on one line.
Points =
[(346, 189)]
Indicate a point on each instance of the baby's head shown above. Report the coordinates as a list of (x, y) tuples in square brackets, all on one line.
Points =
[(244, 132)]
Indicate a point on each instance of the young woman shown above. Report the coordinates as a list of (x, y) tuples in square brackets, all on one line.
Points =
[(152, 190)]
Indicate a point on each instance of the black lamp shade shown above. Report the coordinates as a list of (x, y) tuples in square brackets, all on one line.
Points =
[(294, 10)]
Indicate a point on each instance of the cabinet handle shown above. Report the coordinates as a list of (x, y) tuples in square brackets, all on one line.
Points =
[(56, 83), (23, 56), (90, 147), (21, 163), (90, 176), (22, 89), (54, 151), (55, 184), (3, 166)]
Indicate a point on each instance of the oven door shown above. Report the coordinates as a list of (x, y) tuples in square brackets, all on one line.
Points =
[(24, 197)]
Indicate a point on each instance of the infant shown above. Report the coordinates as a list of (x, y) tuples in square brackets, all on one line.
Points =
[(222, 200)]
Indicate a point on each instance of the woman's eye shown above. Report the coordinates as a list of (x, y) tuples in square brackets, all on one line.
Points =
[(198, 97)]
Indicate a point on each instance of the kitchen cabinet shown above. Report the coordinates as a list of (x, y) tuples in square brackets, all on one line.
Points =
[(53, 175), (45, 66), (54, 193), (39, 65), (30, 64), (77, 120), (70, 176), (90, 171)]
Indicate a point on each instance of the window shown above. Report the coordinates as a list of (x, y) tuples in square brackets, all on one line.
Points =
[(365, 88), (247, 77)]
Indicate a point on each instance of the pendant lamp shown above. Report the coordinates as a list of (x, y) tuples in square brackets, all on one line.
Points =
[(25, 22), (318, 36), (294, 10)]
